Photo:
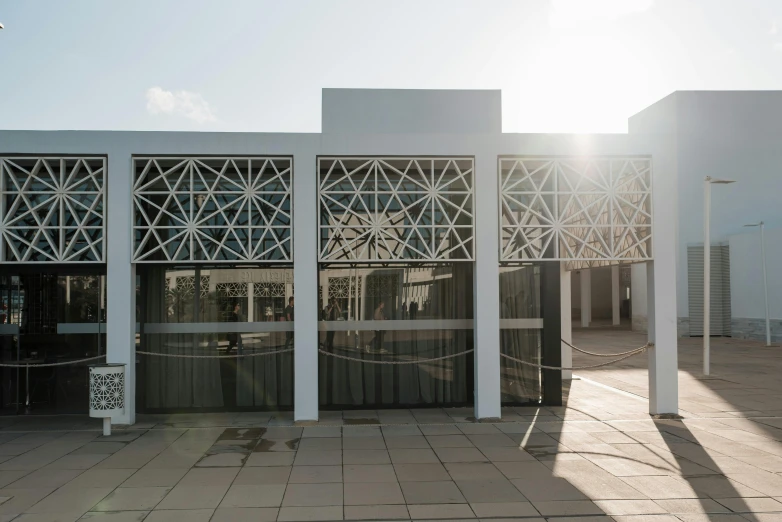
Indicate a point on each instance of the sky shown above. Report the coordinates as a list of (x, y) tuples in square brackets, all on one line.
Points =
[(232, 65)]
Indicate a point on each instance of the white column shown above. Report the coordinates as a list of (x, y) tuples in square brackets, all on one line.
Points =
[(638, 293), (661, 289), (586, 297), (487, 289), (121, 279), (567, 320), (251, 303), (615, 295), (305, 279)]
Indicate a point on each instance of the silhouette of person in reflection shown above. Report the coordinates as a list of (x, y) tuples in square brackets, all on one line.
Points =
[(234, 339), (333, 313)]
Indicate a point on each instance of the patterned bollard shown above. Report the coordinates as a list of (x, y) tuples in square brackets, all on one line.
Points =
[(107, 393)]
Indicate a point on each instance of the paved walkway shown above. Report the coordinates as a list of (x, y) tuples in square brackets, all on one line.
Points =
[(601, 458)]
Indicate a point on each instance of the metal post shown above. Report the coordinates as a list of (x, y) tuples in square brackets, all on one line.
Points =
[(765, 283), (706, 275)]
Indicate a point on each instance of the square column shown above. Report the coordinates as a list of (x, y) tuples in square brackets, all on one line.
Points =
[(486, 297), (567, 319), (586, 298), (121, 279), (661, 290), (305, 280), (615, 319)]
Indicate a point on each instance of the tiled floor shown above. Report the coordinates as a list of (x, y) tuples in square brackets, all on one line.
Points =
[(600, 458)]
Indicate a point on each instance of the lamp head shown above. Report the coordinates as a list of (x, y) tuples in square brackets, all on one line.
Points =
[(2, 26), (758, 224), (717, 181)]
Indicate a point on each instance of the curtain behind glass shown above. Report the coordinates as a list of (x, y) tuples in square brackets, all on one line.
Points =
[(520, 299), (413, 293)]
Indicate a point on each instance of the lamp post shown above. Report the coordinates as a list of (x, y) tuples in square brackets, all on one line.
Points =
[(707, 183), (765, 279)]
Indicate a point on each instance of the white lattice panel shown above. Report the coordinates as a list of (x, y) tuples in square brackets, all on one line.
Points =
[(212, 209), (269, 290), (344, 287), (588, 211), (52, 209), (385, 209)]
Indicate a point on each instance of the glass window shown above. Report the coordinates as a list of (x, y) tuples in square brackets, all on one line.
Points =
[(396, 313), (520, 333), (50, 317), (216, 311)]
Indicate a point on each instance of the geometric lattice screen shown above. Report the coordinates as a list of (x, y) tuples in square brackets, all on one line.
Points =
[(52, 209), (212, 209), (588, 211), (389, 209)]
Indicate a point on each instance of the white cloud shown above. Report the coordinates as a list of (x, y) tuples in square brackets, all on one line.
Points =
[(565, 14), (774, 28), (191, 105), (778, 47)]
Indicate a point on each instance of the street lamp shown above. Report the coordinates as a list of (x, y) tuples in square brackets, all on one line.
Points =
[(707, 183), (765, 280)]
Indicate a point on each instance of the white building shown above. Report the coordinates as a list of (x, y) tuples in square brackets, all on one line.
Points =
[(413, 230), (724, 135)]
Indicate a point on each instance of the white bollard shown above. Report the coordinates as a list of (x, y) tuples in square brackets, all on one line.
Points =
[(107, 393)]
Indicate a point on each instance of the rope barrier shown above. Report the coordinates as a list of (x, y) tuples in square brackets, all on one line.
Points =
[(576, 348), (417, 361), (48, 365), (235, 356), (544, 367)]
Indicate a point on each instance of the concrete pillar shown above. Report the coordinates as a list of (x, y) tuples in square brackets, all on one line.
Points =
[(305, 279), (567, 320), (487, 289), (638, 296), (615, 287), (121, 275), (661, 307), (586, 297)]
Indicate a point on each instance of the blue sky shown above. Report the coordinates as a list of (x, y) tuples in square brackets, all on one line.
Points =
[(230, 65)]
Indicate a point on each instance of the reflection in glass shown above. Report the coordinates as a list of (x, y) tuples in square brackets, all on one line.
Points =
[(396, 313), (170, 296), (60, 318), (520, 299)]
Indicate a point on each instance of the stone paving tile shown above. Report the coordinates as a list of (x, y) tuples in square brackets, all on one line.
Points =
[(300, 514), (504, 509), (407, 442), (387, 512), (365, 457), (444, 492), (630, 507), (421, 472), (127, 499), (367, 494), (369, 473), (245, 514), (567, 507), (496, 490), (270, 459), (150, 477), (309, 495), (680, 505), (70, 500), (315, 474), (440, 511), (413, 456), (262, 475), (193, 497), (178, 515), (253, 496)]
